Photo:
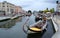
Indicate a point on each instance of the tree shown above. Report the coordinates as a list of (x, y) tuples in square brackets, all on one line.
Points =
[(46, 10), (52, 10), (57, 2), (40, 11)]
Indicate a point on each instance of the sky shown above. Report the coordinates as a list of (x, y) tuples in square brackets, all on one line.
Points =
[(33, 4)]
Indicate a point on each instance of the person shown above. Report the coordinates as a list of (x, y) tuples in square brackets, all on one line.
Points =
[(37, 19), (44, 18)]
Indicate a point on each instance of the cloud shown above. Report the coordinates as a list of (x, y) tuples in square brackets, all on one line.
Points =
[(40, 6), (51, 1), (33, 4), (37, 5)]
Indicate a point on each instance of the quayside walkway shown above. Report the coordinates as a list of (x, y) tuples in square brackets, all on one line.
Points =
[(56, 19)]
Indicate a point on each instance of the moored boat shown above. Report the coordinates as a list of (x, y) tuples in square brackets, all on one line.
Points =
[(39, 26)]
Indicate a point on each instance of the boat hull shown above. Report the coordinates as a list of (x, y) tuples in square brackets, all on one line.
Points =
[(29, 31)]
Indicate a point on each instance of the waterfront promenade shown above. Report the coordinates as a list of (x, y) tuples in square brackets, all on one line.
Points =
[(56, 19), (9, 16)]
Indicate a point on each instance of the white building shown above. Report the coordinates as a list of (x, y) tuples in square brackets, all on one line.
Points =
[(58, 6), (7, 7)]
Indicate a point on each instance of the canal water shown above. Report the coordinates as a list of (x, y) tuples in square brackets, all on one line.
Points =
[(13, 28)]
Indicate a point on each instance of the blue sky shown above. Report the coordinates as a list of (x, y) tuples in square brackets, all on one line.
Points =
[(33, 4)]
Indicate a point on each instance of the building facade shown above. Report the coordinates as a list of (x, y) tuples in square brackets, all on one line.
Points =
[(58, 6), (18, 9), (7, 7)]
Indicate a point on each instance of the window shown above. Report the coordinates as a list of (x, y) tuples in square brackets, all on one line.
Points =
[(7, 6), (59, 6), (2, 3), (8, 10), (3, 6)]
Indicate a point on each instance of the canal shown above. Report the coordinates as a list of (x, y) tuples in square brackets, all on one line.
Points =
[(13, 28)]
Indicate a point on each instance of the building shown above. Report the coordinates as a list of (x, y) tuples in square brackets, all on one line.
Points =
[(7, 7), (58, 6), (18, 9)]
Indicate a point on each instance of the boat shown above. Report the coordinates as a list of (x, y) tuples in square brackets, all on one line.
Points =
[(38, 17), (39, 26), (14, 17), (48, 15), (4, 19)]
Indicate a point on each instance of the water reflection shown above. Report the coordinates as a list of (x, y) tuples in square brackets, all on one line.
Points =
[(9, 23), (14, 29), (34, 35), (31, 20)]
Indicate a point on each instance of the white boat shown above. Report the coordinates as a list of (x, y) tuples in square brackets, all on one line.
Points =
[(36, 27), (48, 15), (13, 17)]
